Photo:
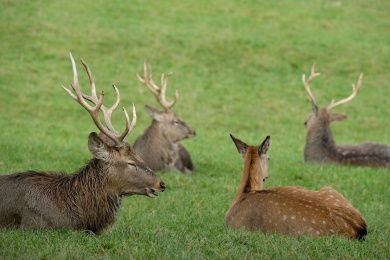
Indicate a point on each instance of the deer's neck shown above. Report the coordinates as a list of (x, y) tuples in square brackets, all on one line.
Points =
[(319, 139), (97, 203), (157, 135), (251, 176)]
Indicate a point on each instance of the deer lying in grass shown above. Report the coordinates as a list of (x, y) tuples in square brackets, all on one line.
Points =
[(159, 146), (320, 146), (90, 198), (288, 210)]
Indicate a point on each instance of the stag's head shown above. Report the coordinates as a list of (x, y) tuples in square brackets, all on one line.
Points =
[(126, 173), (173, 127), (323, 116)]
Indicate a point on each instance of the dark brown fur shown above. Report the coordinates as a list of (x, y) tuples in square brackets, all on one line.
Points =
[(321, 148), (159, 146), (288, 210), (87, 200)]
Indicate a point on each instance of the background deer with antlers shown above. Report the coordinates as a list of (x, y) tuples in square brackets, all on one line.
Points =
[(159, 145), (288, 210), (90, 198), (320, 146)]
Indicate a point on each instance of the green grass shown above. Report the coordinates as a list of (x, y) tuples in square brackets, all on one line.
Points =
[(237, 66)]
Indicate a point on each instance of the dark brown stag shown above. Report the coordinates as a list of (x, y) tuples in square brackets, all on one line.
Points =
[(90, 198), (320, 146), (159, 146), (288, 210)]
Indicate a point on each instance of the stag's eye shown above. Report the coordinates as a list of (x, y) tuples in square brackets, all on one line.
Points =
[(131, 164), (176, 122)]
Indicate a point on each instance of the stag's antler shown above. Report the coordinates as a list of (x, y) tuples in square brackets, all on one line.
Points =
[(81, 98), (158, 91), (306, 83), (355, 89)]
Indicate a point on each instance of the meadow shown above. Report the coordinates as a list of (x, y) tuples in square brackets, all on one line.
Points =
[(237, 66)]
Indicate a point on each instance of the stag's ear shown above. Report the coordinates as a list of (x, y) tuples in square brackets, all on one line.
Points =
[(337, 116), (263, 148), (154, 113), (98, 148), (241, 146)]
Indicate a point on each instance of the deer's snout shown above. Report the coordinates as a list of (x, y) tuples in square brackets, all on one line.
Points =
[(192, 133), (162, 186)]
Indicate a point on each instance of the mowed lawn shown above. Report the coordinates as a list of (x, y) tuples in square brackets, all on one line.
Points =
[(237, 66)]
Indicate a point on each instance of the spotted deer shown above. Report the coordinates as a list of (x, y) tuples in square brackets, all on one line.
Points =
[(288, 210), (90, 198), (159, 146), (320, 146)]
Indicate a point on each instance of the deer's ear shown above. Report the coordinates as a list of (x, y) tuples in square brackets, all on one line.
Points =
[(263, 148), (241, 146), (337, 116), (98, 148), (154, 113)]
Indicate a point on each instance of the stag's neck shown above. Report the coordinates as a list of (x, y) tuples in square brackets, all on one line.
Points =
[(251, 176), (319, 141), (156, 134), (97, 202)]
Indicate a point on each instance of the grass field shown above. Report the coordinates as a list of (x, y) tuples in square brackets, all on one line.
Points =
[(238, 67)]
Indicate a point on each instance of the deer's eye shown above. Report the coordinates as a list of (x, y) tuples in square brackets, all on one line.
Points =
[(176, 122), (131, 164)]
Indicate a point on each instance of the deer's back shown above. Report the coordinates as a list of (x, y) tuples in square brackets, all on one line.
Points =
[(31, 193), (367, 154), (297, 211)]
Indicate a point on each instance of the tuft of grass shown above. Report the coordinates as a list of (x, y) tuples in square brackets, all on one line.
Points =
[(237, 66)]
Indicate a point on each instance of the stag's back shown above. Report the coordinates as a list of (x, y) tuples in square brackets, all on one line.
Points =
[(31, 192)]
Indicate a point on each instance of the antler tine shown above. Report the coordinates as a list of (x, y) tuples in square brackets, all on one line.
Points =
[(129, 126), (164, 83), (107, 112), (147, 79), (355, 89), (158, 91), (98, 102), (306, 83)]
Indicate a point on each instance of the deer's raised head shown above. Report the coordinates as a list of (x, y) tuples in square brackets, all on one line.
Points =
[(323, 116), (173, 127), (125, 171), (255, 164)]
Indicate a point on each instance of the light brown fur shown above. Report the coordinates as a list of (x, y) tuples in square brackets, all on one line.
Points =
[(289, 210)]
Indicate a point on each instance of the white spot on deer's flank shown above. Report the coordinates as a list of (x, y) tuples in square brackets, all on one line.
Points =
[(332, 231), (317, 232), (284, 217), (293, 217), (304, 220), (313, 221), (324, 222)]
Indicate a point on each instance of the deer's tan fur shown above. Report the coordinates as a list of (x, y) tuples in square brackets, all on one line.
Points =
[(289, 210)]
